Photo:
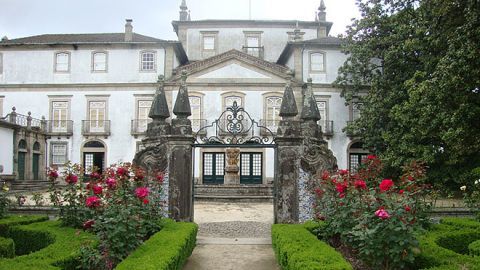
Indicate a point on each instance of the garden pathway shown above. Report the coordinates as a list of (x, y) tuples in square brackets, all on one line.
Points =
[(233, 236)]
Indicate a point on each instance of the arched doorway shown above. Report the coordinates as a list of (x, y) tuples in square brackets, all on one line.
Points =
[(356, 154), (22, 156), (93, 156), (36, 161)]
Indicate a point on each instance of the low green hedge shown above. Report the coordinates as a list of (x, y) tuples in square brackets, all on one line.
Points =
[(474, 248), (461, 223), (443, 244), (10, 221), (62, 252), (165, 250), (7, 248), (297, 248)]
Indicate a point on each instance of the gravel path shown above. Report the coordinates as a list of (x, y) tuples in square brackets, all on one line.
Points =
[(235, 229)]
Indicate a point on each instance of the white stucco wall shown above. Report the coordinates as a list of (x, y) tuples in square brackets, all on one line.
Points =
[(273, 40), (6, 150), (334, 59), (121, 145), (37, 66)]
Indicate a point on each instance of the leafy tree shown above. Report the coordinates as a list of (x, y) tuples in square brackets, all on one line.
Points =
[(415, 67)]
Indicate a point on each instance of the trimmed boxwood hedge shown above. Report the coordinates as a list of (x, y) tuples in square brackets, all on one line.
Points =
[(10, 221), (474, 248), (166, 250), (61, 253), (444, 246), (296, 248), (7, 248)]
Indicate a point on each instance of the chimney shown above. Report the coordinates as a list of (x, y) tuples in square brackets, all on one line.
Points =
[(128, 30)]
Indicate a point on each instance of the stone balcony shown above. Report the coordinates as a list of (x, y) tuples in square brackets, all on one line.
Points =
[(96, 128)]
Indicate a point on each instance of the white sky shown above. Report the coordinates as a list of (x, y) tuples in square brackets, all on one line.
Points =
[(20, 18)]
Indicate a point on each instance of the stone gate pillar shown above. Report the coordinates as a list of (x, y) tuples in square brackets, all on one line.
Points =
[(180, 158), (301, 154), (168, 149), (288, 161)]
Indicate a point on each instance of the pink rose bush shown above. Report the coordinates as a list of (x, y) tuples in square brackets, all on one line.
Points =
[(121, 205), (373, 216)]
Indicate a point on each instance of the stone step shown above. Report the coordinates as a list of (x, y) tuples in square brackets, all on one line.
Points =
[(216, 198), (234, 193), (30, 185)]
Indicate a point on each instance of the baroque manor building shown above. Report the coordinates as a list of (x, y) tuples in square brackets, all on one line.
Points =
[(96, 90)]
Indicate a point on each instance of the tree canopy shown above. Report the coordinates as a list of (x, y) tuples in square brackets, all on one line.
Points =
[(415, 67)]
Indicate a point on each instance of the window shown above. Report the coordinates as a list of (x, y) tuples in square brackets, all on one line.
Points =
[(62, 62), (97, 115), (356, 156), (253, 43), (99, 61), (229, 100), (143, 109), (147, 61), (209, 43), (58, 152), (196, 107), (272, 110), (317, 62), (1, 63), (59, 116)]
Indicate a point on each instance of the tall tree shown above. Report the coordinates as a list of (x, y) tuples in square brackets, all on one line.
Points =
[(415, 67)]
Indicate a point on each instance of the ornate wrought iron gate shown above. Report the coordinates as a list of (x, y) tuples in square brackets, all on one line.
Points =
[(234, 128)]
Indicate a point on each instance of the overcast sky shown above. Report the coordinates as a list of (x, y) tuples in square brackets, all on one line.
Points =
[(20, 18)]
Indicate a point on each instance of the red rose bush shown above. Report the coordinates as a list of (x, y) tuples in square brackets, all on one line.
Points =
[(374, 218), (122, 206)]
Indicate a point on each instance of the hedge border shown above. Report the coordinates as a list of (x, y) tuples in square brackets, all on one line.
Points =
[(435, 256), (296, 248), (8, 222), (61, 254), (474, 248), (168, 249), (7, 248)]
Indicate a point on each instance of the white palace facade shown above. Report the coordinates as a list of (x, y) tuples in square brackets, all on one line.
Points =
[(95, 90)]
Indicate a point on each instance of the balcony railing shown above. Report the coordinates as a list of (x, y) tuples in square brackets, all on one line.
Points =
[(139, 126), (59, 127), (254, 51), (96, 128), (327, 127), (24, 120)]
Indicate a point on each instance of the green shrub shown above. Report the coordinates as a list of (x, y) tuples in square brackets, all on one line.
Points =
[(10, 221), (438, 248), (461, 223), (297, 248), (7, 248), (62, 253), (165, 250), (474, 248)]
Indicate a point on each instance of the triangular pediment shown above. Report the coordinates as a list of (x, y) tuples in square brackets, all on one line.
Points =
[(234, 66), (233, 71)]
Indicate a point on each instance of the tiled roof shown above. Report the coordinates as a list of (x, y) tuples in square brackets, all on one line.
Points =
[(80, 38)]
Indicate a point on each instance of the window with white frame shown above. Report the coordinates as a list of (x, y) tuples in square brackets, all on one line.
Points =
[(272, 111), (62, 62), (97, 115), (147, 61), (58, 152), (228, 101), (317, 62), (99, 61), (196, 107), (209, 42), (143, 109), (59, 116), (253, 43)]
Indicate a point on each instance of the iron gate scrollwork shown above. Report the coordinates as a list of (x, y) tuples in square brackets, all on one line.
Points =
[(234, 126)]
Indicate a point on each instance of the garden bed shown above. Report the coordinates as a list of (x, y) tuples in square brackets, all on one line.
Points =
[(166, 250), (453, 244)]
